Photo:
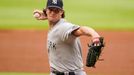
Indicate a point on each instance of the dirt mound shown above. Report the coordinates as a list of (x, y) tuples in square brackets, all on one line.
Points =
[(25, 51)]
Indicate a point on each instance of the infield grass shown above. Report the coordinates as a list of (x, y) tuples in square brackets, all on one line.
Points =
[(20, 73), (99, 14), (17, 73)]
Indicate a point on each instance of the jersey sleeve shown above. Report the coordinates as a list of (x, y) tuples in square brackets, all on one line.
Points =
[(67, 31)]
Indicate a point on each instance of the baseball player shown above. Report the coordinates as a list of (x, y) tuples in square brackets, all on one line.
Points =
[(63, 43)]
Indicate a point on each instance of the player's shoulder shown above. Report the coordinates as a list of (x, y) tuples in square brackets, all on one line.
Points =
[(66, 23)]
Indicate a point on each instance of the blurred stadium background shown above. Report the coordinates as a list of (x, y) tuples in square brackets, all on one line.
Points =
[(102, 15)]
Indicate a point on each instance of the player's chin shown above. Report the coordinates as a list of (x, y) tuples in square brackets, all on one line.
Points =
[(53, 19)]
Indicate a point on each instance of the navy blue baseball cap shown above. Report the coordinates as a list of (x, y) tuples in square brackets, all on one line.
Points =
[(55, 3)]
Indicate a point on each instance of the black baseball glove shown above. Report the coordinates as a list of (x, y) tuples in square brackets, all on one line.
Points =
[(94, 51)]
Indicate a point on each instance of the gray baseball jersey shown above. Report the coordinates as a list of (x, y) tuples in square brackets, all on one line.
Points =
[(64, 49)]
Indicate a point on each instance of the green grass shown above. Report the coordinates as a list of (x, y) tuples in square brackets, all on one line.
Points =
[(20, 73), (17, 73), (99, 14)]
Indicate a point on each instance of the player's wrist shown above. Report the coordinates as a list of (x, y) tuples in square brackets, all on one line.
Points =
[(96, 41)]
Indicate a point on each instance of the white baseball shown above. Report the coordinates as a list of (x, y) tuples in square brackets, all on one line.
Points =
[(37, 15)]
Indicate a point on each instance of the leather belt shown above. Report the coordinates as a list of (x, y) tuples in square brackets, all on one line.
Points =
[(63, 73)]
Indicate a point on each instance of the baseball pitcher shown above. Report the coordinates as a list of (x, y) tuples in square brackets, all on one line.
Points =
[(63, 43)]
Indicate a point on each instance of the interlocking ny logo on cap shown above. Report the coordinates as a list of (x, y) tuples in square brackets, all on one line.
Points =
[(54, 1)]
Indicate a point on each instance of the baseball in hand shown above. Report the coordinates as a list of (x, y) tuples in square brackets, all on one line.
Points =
[(37, 15)]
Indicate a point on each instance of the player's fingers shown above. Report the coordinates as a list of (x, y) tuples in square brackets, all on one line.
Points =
[(42, 18), (37, 11), (97, 43)]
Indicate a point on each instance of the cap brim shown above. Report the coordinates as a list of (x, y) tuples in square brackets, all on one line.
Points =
[(54, 7)]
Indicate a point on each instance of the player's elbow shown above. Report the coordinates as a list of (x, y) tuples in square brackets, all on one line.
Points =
[(83, 30)]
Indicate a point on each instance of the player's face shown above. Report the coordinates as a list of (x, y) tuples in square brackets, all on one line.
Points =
[(53, 14)]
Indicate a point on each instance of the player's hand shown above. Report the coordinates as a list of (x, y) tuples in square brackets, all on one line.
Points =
[(96, 41), (94, 51), (39, 15)]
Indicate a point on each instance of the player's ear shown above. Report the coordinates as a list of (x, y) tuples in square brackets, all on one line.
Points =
[(63, 14)]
